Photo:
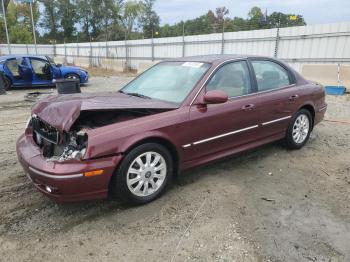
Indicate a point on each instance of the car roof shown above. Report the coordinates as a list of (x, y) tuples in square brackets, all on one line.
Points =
[(214, 58), (5, 57)]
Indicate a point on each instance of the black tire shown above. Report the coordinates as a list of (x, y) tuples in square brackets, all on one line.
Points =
[(119, 188), (7, 83), (72, 76), (289, 140)]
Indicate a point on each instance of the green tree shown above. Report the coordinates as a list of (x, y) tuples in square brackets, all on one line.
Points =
[(50, 19), (68, 17), (19, 22), (254, 17), (149, 20), (284, 20), (131, 12)]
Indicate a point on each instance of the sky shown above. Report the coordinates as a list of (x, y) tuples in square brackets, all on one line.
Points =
[(314, 11)]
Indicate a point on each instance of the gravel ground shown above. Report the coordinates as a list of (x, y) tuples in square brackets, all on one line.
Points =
[(269, 204)]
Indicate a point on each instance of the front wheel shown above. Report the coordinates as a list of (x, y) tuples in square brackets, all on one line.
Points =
[(299, 130), (143, 174), (72, 76)]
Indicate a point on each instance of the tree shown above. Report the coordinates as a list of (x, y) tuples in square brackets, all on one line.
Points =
[(283, 20), (50, 18), (254, 17), (68, 17), (220, 12), (131, 12), (19, 22), (149, 20)]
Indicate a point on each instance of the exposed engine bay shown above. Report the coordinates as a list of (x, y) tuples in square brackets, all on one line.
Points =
[(63, 146)]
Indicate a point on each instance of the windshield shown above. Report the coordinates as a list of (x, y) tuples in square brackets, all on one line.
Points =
[(168, 81)]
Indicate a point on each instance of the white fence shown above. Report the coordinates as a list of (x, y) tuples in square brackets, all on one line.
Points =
[(326, 44)]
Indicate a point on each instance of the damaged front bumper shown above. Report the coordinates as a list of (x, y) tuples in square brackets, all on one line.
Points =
[(65, 181)]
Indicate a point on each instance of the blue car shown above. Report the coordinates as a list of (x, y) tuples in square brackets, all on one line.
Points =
[(30, 70)]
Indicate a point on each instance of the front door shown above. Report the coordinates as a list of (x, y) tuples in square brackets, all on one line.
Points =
[(42, 73), (215, 128)]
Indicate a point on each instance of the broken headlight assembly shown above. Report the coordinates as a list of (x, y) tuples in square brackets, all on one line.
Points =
[(74, 147)]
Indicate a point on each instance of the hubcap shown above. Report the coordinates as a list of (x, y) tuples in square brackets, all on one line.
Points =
[(146, 174), (301, 129)]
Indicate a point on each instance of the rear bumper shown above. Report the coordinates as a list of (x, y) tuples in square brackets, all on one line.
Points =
[(65, 180), (319, 114)]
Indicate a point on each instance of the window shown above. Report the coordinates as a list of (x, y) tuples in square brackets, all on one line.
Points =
[(232, 78), (13, 67), (270, 75)]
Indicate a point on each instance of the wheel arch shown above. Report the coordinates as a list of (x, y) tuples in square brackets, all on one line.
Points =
[(164, 142), (311, 109), (71, 73), (152, 139), (8, 78)]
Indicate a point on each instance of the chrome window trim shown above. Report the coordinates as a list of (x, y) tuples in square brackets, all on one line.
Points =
[(40, 173), (276, 120)]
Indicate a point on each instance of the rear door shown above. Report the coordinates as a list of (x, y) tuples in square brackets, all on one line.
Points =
[(219, 127), (278, 95), (19, 71)]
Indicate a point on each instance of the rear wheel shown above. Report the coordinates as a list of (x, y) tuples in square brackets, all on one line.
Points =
[(299, 130), (7, 83), (143, 174)]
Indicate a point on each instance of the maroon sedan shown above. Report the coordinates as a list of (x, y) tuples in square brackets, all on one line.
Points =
[(178, 114)]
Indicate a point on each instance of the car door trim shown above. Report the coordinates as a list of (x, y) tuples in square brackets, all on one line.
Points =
[(235, 132), (276, 120), (220, 136)]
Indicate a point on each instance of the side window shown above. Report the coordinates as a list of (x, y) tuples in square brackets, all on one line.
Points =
[(232, 78), (270, 75)]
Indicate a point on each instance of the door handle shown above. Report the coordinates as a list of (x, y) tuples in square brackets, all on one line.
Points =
[(293, 97), (248, 107)]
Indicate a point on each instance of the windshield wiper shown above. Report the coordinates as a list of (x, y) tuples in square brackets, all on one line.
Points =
[(136, 94)]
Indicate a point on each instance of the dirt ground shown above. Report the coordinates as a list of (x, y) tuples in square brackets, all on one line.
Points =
[(270, 204)]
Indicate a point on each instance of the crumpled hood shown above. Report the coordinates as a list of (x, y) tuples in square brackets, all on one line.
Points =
[(61, 111)]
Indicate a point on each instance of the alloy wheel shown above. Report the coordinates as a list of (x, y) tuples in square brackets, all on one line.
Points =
[(301, 129), (146, 174)]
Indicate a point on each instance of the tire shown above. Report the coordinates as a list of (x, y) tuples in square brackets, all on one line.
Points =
[(133, 191), (299, 129), (7, 83), (72, 76)]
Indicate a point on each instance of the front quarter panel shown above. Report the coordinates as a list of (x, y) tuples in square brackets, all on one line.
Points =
[(118, 138)]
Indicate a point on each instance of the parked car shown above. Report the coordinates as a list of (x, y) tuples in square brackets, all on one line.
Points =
[(36, 71), (178, 114)]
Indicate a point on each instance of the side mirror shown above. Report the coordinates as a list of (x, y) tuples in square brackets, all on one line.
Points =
[(58, 65), (215, 97)]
